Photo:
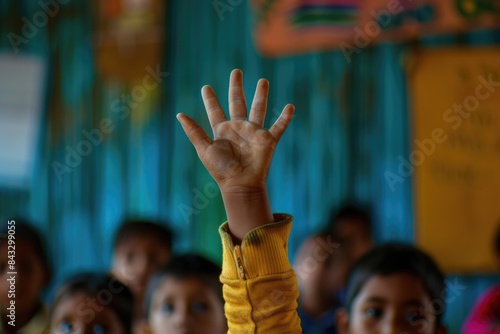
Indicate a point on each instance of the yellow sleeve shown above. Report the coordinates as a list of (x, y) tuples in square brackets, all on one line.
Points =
[(259, 285)]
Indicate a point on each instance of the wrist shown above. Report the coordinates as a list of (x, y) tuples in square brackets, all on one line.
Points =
[(244, 192), (246, 210)]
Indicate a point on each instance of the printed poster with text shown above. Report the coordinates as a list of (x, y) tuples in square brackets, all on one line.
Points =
[(455, 155)]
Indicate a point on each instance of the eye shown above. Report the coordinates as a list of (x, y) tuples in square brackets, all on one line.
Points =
[(374, 312), (98, 329), (414, 316), (199, 307), (65, 327), (167, 308)]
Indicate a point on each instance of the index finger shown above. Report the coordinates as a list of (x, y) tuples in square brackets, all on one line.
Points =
[(212, 106)]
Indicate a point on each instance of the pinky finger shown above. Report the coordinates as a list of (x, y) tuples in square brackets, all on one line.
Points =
[(282, 122)]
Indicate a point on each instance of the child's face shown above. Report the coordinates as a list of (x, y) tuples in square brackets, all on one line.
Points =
[(136, 259), (320, 271), (80, 314), (31, 276), (186, 306), (356, 237), (396, 304)]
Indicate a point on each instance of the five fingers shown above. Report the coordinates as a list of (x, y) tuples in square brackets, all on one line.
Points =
[(237, 111)]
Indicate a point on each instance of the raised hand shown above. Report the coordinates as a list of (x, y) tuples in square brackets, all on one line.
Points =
[(239, 156)]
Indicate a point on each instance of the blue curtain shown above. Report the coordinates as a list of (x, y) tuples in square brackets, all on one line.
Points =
[(351, 124)]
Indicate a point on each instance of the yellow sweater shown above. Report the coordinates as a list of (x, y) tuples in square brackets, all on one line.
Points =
[(259, 284)]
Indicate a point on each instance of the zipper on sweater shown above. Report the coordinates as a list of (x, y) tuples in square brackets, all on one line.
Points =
[(239, 261)]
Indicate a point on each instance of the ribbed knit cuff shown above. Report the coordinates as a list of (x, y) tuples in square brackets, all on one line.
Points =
[(264, 250)]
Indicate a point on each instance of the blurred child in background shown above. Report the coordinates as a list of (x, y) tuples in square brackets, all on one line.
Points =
[(352, 225), (320, 266), (140, 248), (91, 303), (485, 315), (392, 289), (33, 274), (185, 297)]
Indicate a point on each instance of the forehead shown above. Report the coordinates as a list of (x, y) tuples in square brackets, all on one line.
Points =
[(352, 225), (141, 241), (79, 306), (397, 289), (183, 287)]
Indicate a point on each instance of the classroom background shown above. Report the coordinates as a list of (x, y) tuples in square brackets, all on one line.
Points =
[(360, 111)]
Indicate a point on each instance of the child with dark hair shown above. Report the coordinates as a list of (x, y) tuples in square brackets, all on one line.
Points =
[(140, 248), (320, 265), (21, 242), (392, 289), (92, 303), (185, 296), (485, 315), (352, 225)]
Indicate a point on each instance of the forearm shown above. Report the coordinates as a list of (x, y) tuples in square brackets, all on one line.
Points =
[(246, 210)]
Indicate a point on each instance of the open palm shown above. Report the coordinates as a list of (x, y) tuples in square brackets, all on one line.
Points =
[(239, 156)]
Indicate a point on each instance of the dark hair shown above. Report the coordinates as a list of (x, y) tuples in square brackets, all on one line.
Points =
[(351, 212), (182, 267), (25, 230), (394, 258), (106, 290), (497, 241), (136, 227)]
